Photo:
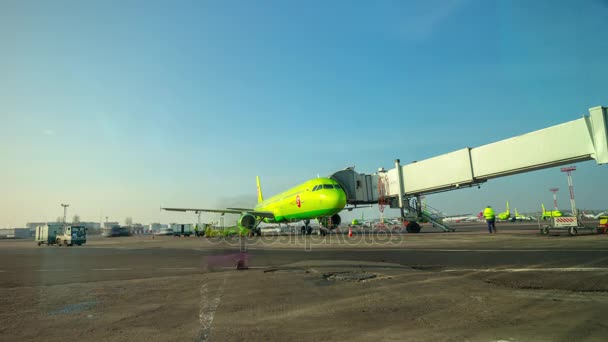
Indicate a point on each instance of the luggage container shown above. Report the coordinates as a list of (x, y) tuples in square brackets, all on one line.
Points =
[(47, 234), (570, 224)]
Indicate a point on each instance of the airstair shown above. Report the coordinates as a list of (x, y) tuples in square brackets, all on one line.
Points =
[(430, 214)]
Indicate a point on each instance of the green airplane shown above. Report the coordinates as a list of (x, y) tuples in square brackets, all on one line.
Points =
[(551, 213), (519, 217), (505, 215), (356, 222), (318, 198)]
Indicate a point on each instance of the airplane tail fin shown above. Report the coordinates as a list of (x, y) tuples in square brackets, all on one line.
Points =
[(260, 196), (508, 207), (543, 206)]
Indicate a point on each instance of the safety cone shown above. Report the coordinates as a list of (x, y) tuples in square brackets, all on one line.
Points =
[(350, 231)]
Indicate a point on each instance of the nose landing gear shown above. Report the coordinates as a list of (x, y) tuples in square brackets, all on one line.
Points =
[(306, 228)]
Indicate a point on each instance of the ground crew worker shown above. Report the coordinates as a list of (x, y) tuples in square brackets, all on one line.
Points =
[(488, 214)]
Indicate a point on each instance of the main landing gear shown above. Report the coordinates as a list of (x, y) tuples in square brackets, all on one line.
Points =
[(306, 228), (256, 230)]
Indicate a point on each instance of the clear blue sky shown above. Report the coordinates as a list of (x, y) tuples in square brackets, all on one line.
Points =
[(117, 107)]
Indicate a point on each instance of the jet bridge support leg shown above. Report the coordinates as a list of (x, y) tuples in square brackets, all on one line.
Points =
[(400, 185)]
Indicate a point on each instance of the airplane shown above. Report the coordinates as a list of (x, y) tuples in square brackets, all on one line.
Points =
[(318, 198), (594, 216), (356, 222), (552, 213), (589, 216), (504, 215), (519, 217), (460, 218)]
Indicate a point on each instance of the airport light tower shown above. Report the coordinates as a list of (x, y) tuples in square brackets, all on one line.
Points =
[(65, 211), (569, 170), (554, 191)]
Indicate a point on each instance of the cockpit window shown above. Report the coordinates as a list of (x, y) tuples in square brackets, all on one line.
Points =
[(328, 186), (315, 188), (337, 186)]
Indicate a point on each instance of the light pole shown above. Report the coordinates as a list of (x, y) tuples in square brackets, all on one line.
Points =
[(554, 191), (569, 170), (65, 210)]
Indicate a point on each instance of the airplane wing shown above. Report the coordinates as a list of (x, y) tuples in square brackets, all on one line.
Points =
[(264, 214)]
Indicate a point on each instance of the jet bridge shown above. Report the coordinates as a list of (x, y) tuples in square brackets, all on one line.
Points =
[(575, 141)]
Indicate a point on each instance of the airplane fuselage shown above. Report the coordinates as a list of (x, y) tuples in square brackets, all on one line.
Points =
[(316, 198)]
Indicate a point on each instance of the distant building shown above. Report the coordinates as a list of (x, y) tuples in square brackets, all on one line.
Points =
[(32, 225), (156, 227), (90, 225), (15, 233), (110, 224), (137, 228)]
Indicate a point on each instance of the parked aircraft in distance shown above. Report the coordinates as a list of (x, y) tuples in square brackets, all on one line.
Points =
[(589, 216), (462, 218), (504, 215), (552, 213), (603, 213), (318, 198), (519, 217)]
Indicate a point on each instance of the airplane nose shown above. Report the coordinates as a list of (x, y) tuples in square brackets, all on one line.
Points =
[(339, 199)]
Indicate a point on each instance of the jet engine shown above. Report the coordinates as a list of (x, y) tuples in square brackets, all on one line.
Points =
[(247, 221), (336, 220)]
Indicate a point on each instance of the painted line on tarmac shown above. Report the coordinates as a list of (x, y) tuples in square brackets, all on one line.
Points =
[(548, 269), (249, 267), (510, 250), (177, 268), (111, 269), (406, 249), (51, 270), (208, 306)]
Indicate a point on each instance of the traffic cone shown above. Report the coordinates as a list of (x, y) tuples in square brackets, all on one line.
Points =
[(350, 231)]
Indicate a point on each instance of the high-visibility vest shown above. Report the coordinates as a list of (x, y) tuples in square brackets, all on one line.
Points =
[(488, 213)]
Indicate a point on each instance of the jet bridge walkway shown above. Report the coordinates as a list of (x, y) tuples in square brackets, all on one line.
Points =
[(575, 141)]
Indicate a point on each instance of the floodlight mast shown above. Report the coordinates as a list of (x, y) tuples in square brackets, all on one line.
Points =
[(554, 191), (65, 210), (569, 170)]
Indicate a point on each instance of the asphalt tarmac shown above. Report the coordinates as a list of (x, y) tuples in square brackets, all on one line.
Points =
[(470, 285)]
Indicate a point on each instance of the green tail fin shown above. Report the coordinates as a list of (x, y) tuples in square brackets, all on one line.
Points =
[(260, 196)]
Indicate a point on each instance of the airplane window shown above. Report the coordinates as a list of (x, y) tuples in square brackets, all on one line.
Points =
[(328, 186), (315, 188), (337, 186)]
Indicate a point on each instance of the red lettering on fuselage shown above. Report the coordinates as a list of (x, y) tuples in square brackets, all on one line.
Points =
[(298, 203)]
